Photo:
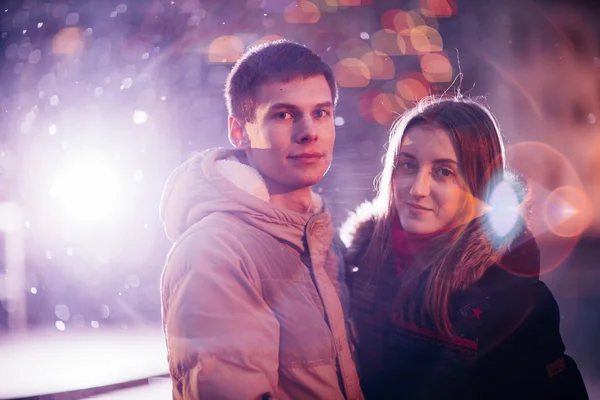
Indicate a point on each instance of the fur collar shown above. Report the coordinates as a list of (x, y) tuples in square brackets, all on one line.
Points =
[(250, 181), (517, 252)]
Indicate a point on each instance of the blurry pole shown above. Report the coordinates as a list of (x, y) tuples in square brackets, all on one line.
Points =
[(12, 224)]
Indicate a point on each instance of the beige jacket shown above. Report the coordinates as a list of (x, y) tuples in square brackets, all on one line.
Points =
[(254, 303)]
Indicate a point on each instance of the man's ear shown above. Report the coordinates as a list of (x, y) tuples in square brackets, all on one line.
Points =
[(237, 134)]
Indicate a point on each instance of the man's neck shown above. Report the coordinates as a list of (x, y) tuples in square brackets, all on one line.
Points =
[(299, 200)]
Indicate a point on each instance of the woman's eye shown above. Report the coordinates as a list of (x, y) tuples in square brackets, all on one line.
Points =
[(445, 172), (408, 166)]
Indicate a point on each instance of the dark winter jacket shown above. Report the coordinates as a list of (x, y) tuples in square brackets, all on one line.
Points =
[(507, 343)]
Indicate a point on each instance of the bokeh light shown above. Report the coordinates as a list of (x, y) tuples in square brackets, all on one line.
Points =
[(438, 8), (436, 67), (388, 41), (351, 3), (425, 39), (225, 49), (267, 39), (380, 65), (397, 20), (353, 48), (365, 104), (67, 41), (386, 108), (412, 88), (352, 72), (302, 12)]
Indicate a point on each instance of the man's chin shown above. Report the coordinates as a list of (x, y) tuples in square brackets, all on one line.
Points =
[(308, 178)]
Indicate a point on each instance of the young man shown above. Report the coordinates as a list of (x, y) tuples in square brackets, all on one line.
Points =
[(254, 300)]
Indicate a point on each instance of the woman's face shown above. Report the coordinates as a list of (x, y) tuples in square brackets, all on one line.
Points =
[(429, 193)]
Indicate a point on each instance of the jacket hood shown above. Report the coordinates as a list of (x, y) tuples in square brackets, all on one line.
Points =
[(216, 181)]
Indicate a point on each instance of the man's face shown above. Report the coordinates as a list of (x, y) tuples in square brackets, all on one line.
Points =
[(291, 139)]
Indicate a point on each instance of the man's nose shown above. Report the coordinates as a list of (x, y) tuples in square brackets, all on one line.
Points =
[(305, 130)]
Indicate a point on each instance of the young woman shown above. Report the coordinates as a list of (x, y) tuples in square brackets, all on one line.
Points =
[(446, 304)]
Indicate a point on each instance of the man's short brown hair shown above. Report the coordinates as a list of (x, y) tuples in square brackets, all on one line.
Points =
[(280, 61)]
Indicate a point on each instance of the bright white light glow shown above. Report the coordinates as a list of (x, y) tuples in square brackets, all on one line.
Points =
[(504, 209), (89, 190), (140, 116)]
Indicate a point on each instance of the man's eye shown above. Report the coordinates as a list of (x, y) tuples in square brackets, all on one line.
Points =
[(321, 113), (283, 115)]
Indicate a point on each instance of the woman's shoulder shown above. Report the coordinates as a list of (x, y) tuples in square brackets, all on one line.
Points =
[(501, 284), (516, 307), (357, 231)]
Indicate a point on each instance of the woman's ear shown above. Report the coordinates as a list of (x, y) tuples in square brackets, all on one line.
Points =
[(237, 134)]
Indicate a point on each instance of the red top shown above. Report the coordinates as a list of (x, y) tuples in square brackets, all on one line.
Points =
[(404, 246)]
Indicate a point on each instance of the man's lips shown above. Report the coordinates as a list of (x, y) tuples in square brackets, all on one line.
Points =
[(306, 158), (306, 155)]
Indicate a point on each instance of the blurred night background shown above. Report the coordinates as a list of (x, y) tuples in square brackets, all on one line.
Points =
[(101, 99)]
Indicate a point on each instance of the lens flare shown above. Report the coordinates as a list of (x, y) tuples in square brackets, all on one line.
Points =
[(567, 212), (557, 209), (504, 211)]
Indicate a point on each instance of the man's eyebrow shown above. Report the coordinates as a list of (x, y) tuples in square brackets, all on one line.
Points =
[(286, 106), (324, 105), (295, 108)]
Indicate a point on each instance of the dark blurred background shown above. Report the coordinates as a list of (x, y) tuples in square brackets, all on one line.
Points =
[(101, 99)]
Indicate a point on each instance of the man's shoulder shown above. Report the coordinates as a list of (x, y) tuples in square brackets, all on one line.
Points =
[(214, 243), (215, 223)]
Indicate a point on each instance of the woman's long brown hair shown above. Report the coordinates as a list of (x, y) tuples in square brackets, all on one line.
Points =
[(426, 287)]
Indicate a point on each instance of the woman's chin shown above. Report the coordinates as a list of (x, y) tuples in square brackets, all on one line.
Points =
[(417, 227)]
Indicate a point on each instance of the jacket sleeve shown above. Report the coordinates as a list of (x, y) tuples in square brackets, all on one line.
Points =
[(222, 338), (532, 364), (559, 376)]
